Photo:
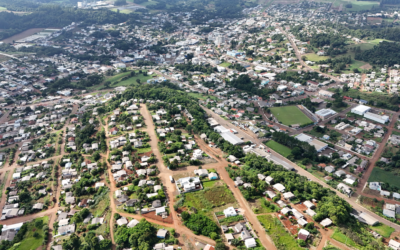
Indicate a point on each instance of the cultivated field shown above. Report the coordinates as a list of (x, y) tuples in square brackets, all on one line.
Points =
[(290, 115)]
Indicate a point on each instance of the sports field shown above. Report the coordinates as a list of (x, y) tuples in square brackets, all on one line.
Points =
[(290, 115)]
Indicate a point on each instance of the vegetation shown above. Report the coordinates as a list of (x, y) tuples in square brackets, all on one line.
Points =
[(281, 149), (385, 53), (281, 238), (200, 224), (32, 235)]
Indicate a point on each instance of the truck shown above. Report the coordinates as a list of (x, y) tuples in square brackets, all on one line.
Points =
[(171, 179)]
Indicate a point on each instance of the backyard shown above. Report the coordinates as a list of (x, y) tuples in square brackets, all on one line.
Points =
[(281, 149), (290, 115)]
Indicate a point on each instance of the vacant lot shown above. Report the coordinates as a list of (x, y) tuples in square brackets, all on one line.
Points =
[(315, 58), (383, 230), (290, 115), (337, 235), (282, 239), (281, 149), (210, 200), (381, 175), (23, 34)]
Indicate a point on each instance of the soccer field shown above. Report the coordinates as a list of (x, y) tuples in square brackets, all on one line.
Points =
[(290, 115)]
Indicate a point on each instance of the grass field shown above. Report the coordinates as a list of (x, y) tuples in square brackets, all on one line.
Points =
[(315, 58), (116, 80), (290, 115), (225, 64), (210, 184), (282, 239), (210, 200), (381, 175), (281, 149), (383, 230), (356, 5), (337, 235), (143, 150), (30, 242)]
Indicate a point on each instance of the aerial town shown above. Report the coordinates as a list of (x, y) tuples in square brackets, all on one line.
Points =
[(154, 125)]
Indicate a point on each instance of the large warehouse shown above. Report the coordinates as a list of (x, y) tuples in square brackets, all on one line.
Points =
[(319, 145), (325, 113), (228, 135), (360, 109), (378, 118)]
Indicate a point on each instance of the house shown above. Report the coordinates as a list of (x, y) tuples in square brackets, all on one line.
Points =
[(288, 196), (132, 223), (345, 189), (162, 233), (156, 204), (269, 180), (326, 222), (303, 234), (230, 211), (213, 176), (201, 172), (389, 213), (279, 187), (249, 243), (394, 244), (122, 221), (309, 204), (68, 229)]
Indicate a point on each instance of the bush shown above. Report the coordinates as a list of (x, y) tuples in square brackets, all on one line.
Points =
[(301, 243)]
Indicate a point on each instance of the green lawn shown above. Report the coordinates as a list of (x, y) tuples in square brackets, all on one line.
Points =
[(225, 64), (143, 150), (356, 5), (209, 184), (381, 175), (29, 242), (143, 79), (383, 230), (290, 115), (210, 200), (315, 58), (281, 149), (337, 235), (282, 239)]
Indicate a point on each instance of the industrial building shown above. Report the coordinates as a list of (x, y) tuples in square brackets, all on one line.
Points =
[(319, 145), (360, 109), (228, 135), (378, 118), (325, 113)]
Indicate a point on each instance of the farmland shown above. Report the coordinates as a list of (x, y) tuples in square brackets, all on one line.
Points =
[(290, 115)]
